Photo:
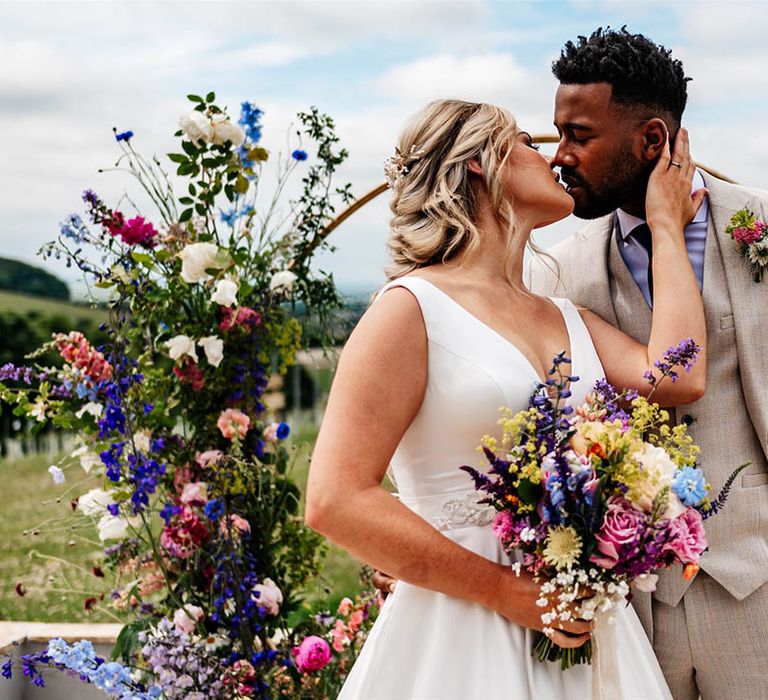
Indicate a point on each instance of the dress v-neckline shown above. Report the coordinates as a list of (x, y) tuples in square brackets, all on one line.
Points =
[(503, 338)]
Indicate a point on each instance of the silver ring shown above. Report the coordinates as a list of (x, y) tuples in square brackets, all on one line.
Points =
[(676, 163)]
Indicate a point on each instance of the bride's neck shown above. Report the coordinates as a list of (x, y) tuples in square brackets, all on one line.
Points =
[(493, 261)]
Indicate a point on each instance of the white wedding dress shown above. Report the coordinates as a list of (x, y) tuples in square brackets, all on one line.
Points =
[(427, 645)]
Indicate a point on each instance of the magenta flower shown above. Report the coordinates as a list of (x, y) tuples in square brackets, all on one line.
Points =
[(312, 654), (135, 231)]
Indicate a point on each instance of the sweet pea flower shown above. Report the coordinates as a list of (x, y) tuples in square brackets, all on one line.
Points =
[(185, 619), (88, 460), (269, 596), (95, 502), (234, 525), (196, 126), (209, 457), (312, 654), (112, 528), (225, 293), (57, 474), (233, 423), (282, 282), (276, 431), (345, 606), (214, 349), (196, 258), (195, 493), (181, 345)]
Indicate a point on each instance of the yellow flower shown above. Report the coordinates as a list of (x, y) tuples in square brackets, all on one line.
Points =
[(563, 547)]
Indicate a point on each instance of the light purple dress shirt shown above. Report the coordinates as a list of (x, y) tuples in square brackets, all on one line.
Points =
[(636, 257)]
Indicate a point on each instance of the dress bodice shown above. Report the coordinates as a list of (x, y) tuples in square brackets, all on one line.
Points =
[(472, 372)]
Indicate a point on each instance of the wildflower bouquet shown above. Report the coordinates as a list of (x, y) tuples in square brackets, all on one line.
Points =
[(206, 552), (595, 498)]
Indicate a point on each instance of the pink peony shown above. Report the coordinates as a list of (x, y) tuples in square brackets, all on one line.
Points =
[(195, 494), (209, 457), (312, 654), (233, 423), (268, 596), (687, 539), (622, 526), (185, 619)]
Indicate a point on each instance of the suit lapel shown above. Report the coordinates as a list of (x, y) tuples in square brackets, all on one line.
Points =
[(747, 300)]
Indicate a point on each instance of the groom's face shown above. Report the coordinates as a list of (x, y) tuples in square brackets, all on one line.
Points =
[(598, 154)]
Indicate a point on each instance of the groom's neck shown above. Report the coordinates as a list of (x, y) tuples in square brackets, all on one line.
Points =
[(635, 204)]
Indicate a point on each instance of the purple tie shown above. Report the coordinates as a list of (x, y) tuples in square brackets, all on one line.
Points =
[(642, 234)]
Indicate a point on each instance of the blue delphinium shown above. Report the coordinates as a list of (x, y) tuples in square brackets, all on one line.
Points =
[(250, 115), (689, 486)]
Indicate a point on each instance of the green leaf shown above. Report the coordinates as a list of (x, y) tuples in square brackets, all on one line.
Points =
[(190, 148), (194, 98), (177, 158), (210, 97), (200, 209), (529, 492), (186, 215), (229, 192), (211, 162), (192, 189), (143, 258), (186, 200), (241, 184), (185, 169)]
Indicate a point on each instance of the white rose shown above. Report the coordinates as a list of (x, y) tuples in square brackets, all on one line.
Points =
[(282, 282), (269, 596), (226, 130), (112, 528), (92, 408), (225, 293), (181, 345), (214, 349), (195, 259), (186, 618), (95, 502), (196, 126)]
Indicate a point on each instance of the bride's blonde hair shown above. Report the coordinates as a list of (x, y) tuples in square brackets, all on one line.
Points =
[(433, 202)]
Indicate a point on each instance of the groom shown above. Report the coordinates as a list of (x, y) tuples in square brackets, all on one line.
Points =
[(709, 634)]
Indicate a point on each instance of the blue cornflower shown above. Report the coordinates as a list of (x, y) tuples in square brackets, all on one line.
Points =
[(124, 136), (228, 217), (283, 431), (214, 509), (298, 154), (689, 486)]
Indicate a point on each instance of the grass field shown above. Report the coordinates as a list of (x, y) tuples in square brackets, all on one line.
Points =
[(23, 303), (55, 590)]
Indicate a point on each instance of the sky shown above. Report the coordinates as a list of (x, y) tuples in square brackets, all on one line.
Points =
[(70, 71)]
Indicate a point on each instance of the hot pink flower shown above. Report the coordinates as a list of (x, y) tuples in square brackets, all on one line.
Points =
[(243, 316), (312, 654), (184, 534), (135, 231), (687, 537), (749, 234), (622, 525), (190, 373), (503, 526), (233, 423)]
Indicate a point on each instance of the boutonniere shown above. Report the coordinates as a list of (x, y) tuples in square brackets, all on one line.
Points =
[(751, 235)]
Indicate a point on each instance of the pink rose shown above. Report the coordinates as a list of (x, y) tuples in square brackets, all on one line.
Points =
[(622, 525), (185, 619), (195, 494), (687, 539), (312, 654), (269, 596), (233, 423), (209, 457)]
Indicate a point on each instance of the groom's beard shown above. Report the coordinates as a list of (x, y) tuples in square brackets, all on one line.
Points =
[(623, 179)]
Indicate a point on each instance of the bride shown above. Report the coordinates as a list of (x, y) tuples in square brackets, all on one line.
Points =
[(452, 337)]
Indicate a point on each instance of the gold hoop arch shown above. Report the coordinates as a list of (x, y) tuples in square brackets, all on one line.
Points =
[(379, 189)]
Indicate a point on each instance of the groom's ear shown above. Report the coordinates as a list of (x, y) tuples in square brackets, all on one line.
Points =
[(655, 135)]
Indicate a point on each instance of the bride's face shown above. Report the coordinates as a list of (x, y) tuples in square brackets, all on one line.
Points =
[(537, 196)]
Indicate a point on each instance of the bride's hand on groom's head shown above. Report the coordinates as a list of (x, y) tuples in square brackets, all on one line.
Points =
[(669, 204)]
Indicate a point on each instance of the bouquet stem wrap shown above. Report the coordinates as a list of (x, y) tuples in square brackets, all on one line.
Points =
[(606, 683)]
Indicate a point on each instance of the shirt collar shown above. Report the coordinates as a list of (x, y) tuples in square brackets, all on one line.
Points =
[(628, 223)]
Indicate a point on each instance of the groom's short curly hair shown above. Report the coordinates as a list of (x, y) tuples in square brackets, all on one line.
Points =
[(639, 71)]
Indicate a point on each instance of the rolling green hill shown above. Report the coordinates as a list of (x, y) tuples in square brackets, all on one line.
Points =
[(17, 276)]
